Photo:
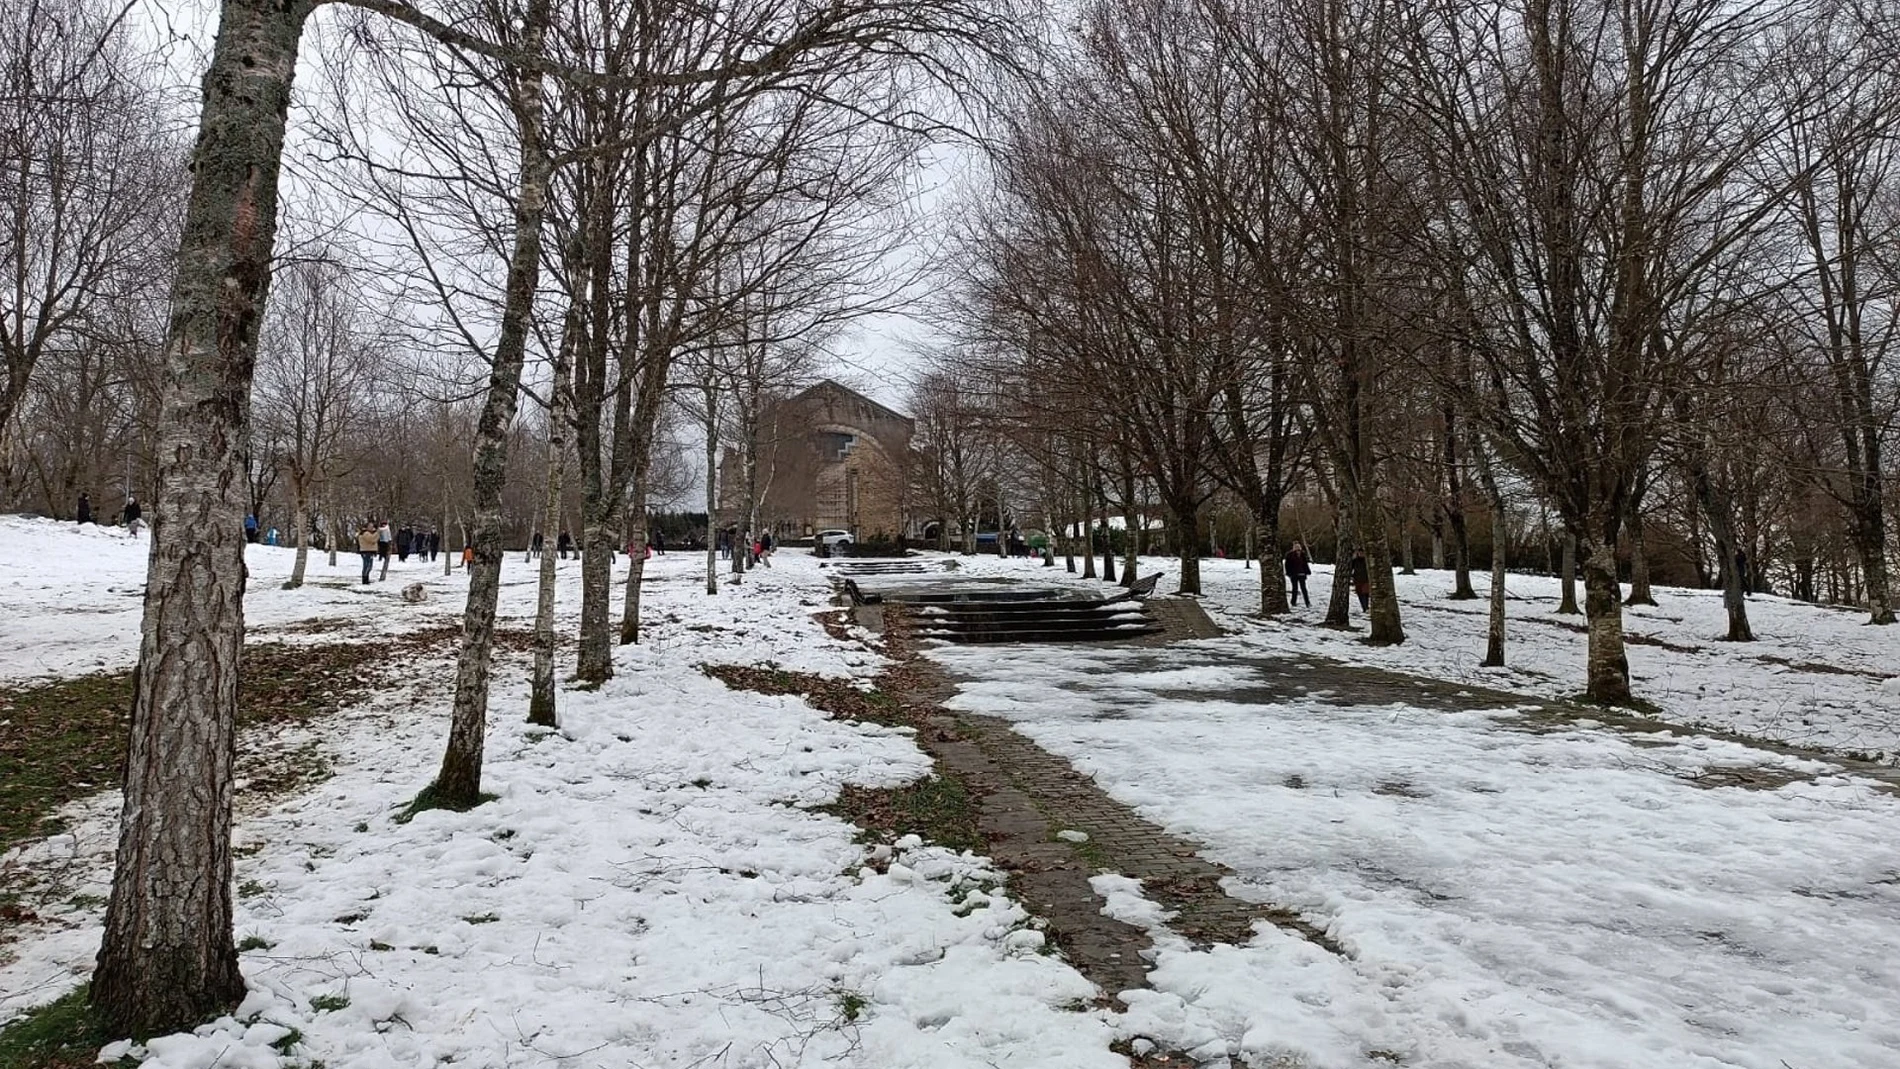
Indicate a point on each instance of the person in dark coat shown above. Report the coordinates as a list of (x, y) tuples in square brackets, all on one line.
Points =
[(563, 543), (85, 507), (1297, 569), (1361, 580), (132, 514), (405, 541), (250, 528)]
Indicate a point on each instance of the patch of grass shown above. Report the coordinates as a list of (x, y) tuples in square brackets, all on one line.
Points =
[(84, 901), (840, 697), (851, 1006), (250, 889), (66, 739), (482, 918), (1639, 705), (430, 798), (936, 808), (254, 942), (63, 741), (287, 1041), (329, 1003), (62, 1034)]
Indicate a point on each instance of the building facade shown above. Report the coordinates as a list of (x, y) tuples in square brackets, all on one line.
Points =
[(829, 458)]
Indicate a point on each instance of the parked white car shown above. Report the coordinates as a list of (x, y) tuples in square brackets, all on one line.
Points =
[(829, 542)]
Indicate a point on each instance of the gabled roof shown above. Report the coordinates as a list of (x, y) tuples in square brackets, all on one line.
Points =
[(833, 385)]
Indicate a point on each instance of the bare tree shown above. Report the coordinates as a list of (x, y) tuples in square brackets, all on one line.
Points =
[(314, 364), (90, 187)]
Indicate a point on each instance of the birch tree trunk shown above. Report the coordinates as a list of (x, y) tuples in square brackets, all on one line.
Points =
[(459, 783), (167, 961), (541, 703), (1609, 669), (637, 562), (300, 519)]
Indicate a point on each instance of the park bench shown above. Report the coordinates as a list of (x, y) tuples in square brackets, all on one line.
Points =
[(1142, 588)]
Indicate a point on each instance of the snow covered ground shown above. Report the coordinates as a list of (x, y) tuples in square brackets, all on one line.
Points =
[(653, 886), (650, 888), (1818, 676), (1508, 894)]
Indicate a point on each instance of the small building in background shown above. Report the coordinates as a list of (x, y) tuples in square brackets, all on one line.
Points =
[(829, 458)]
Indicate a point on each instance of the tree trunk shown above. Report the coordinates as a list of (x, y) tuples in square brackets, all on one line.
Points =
[(1568, 571), (637, 563), (712, 493), (1387, 625), (448, 567), (167, 961), (1410, 534), (1500, 556), (1494, 626), (1639, 563), (1869, 531), (1190, 520), (1272, 578), (459, 783), (334, 535), (1339, 600), (300, 519), (1609, 670), (541, 706), (595, 662)]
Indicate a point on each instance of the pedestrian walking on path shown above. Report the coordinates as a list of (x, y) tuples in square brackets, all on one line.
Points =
[(1297, 569), (366, 543)]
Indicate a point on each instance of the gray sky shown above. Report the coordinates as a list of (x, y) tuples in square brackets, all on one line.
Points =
[(880, 355)]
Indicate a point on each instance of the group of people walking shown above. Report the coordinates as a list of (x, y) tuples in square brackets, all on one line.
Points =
[(132, 515), (758, 548), (376, 542), (1299, 566), (563, 545)]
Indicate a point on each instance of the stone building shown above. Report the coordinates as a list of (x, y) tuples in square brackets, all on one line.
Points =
[(830, 458)]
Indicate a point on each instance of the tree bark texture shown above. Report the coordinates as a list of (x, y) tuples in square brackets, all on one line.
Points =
[(1640, 593), (167, 961), (1608, 670), (1387, 628), (300, 521), (1339, 599)]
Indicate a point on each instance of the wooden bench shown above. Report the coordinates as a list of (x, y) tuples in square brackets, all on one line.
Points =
[(1142, 588), (858, 596)]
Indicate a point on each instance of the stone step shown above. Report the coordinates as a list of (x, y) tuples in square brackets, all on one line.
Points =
[(1029, 605), (1094, 634), (1032, 621)]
